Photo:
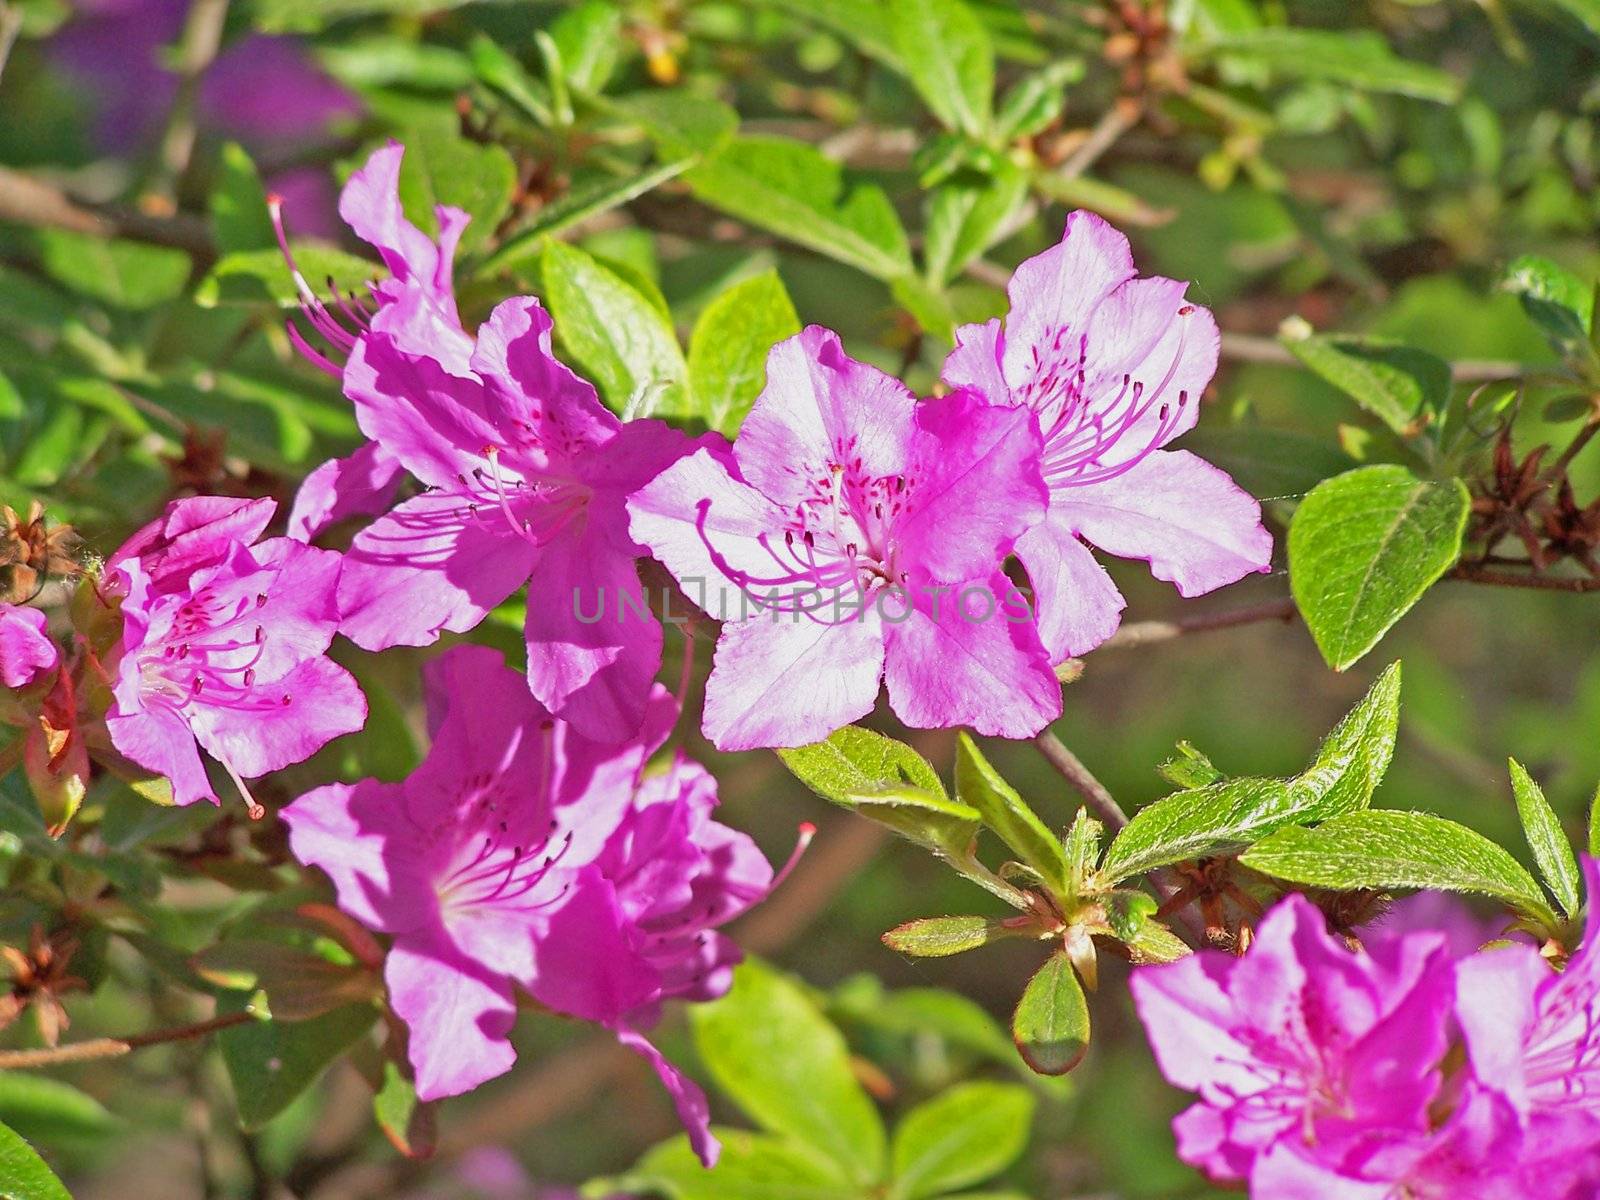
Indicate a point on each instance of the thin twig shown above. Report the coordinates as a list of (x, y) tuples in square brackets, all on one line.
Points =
[(27, 200), (12, 1060), (1113, 123), (1558, 468), (1244, 348), (1471, 573), (1143, 633), (1095, 794), (197, 47)]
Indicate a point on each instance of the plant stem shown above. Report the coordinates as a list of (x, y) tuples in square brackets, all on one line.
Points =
[(1471, 573), (12, 1060), (1558, 468), (1142, 633), (1245, 348), (1095, 794), (30, 201), (197, 47), (10, 29)]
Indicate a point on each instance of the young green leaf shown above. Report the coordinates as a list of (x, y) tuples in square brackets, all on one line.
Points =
[(966, 215), (272, 1062), (239, 216), (1008, 814), (1594, 825), (440, 169), (1036, 99), (1551, 849), (1405, 388), (23, 1174), (1555, 299), (39, 1108), (795, 191), (940, 937), (1188, 767), (729, 346), (1364, 546), (123, 274), (780, 1060), (407, 1123), (1361, 59), (614, 332), (262, 277), (588, 37), (947, 54), (1221, 816), (854, 761), (1051, 1023), (962, 1136), (1381, 848), (1354, 756)]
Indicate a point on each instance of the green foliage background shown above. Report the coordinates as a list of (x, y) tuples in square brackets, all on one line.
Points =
[(684, 182)]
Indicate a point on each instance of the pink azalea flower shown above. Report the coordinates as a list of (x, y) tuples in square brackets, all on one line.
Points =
[(223, 644), (1534, 1035), (1299, 1044), (26, 651), (525, 471), (856, 535), (1114, 366), (521, 854)]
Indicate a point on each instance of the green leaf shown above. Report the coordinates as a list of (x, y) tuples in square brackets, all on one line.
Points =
[(1188, 767), (298, 985), (124, 274), (966, 215), (239, 216), (23, 1174), (752, 1167), (614, 332), (1555, 299), (499, 69), (1005, 812), (1364, 546), (1036, 99), (855, 762), (407, 1122), (262, 277), (308, 16), (47, 1110), (1359, 58), (1594, 827), (588, 37), (795, 191), (1384, 849), (1547, 840), (865, 24), (1585, 11), (1353, 758), (1405, 388), (940, 937), (947, 54), (1221, 816), (729, 346), (680, 123), (272, 1062), (1051, 1023), (440, 169), (963, 1136), (588, 200), (770, 1049)]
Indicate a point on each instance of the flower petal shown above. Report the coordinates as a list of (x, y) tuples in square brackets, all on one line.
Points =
[(159, 740), (975, 361), (430, 565), (1194, 525), (360, 837), (693, 1110), (1076, 604), (458, 1013), (785, 679), (26, 651), (282, 721), (362, 484)]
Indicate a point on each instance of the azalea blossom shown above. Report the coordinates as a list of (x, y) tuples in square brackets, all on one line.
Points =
[(523, 855), (26, 651), (223, 644), (1113, 365), (1534, 1035), (525, 474), (1300, 1043), (853, 535)]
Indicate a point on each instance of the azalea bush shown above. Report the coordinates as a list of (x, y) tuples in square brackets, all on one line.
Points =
[(725, 599)]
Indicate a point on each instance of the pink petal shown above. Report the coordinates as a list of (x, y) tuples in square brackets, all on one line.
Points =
[(26, 651), (956, 659), (783, 679), (1076, 604), (687, 1098), (193, 533), (586, 965), (1496, 1006), (820, 407), (284, 721), (594, 646), (1196, 527), (974, 485), (430, 565), (1058, 291), (975, 361), (359, 836), (159, 740), (458, 1014), (362, 484)]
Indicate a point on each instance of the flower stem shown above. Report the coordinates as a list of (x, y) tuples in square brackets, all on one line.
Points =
[(1095, 794), (12, 1060)]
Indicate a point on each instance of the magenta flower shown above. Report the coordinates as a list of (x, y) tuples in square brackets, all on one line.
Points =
[(1114, 366), (855, 535), (525, 471), (521, 854), (1299, 1044), (1534, 1036), (26, 651), (223, 644)]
